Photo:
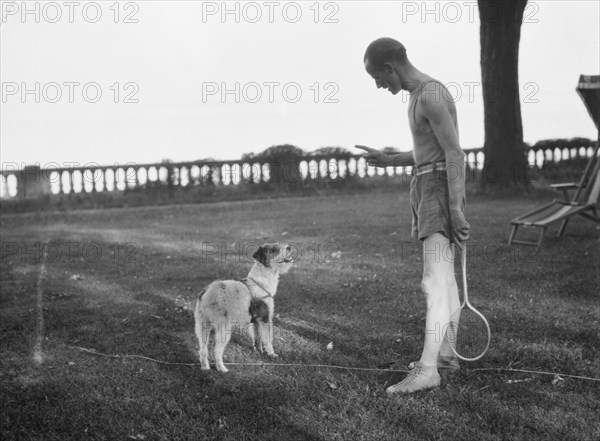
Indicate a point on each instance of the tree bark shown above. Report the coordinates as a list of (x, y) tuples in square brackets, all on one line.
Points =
[(505, 164)]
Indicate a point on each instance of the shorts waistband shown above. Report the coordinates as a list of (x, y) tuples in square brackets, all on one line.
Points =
[(429, 167)]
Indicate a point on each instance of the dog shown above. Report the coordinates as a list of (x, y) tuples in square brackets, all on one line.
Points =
[(225, 304)]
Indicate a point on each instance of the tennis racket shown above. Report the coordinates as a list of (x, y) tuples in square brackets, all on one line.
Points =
[(468, 332)]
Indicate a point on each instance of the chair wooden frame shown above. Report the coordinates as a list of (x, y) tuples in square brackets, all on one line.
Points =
[(584, 203), (585, 200)]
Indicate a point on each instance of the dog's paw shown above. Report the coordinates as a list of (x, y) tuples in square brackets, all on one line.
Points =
[(223, 369), (205, 365), (273, 355)]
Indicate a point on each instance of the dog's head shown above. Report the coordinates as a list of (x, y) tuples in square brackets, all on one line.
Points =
[(275, 255)]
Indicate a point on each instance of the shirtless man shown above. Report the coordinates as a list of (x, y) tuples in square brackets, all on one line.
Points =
[(437, 197)]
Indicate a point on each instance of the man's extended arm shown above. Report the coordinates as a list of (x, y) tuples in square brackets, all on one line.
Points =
[(379, 159), (402, 159)]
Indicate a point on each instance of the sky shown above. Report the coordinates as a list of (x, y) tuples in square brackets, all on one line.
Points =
[(140, 82)]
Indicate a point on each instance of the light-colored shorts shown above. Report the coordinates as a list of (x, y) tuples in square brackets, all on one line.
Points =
[(430, 205)]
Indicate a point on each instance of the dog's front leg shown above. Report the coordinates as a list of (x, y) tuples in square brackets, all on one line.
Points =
[(254, 331), (267, 338), (267, 331)]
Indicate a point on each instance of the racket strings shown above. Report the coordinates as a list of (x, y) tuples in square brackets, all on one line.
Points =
[(468, 333)]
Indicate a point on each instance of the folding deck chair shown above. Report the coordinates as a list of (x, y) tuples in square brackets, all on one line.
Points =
[(585, 200)]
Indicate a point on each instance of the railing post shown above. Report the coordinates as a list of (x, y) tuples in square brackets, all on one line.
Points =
[(71, 181), (104, 186), (136, 178), (30, 183)]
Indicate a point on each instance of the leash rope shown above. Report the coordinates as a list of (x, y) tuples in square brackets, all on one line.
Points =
[(554, 374), (245, 281), (91, 351)]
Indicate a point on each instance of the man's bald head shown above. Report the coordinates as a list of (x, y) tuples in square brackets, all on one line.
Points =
[(384, 50)]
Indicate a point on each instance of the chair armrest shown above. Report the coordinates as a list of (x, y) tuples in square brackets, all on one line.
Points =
[(566, 185)]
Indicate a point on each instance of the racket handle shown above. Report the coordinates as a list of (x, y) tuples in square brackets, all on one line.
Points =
[(463, 260)]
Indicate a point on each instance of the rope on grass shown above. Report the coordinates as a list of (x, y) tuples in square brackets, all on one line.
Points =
[(91, 351), (555, 374), (318, 366), (507, 369)]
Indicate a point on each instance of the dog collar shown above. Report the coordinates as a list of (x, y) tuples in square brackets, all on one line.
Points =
[(260, 286)]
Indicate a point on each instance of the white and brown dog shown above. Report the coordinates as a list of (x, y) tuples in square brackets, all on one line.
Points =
[(226, 304)]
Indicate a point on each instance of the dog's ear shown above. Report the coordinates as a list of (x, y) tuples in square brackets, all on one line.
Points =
[(262, 255)]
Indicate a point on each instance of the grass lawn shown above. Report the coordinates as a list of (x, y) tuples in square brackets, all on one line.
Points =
[(124, 281)]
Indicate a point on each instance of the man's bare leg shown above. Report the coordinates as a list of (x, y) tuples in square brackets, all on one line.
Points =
[(438, 285), (445, 350), (438, 274)]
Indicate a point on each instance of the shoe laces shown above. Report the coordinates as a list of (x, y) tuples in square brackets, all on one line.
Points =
[(414, 373)]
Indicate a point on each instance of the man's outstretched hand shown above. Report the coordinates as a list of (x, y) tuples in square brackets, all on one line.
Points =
[(374, 157)]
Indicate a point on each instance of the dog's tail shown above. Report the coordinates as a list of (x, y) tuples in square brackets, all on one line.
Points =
[(202, 293), (197, 310), (201, 332)]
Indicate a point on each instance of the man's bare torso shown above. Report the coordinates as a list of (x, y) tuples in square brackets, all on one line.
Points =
[(426, 146)]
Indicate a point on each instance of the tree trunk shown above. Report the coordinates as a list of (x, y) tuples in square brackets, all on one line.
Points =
[(505, 164)]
